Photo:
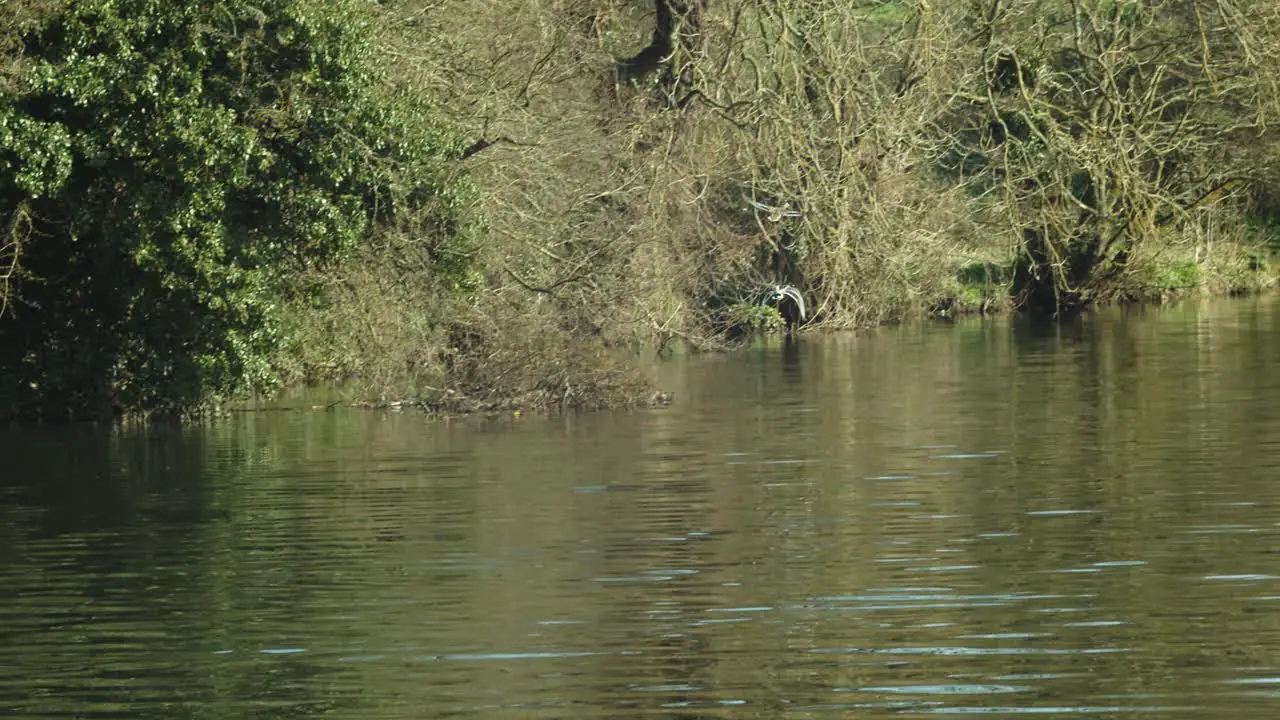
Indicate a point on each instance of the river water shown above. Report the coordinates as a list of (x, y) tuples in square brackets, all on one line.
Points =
[(971, 519)]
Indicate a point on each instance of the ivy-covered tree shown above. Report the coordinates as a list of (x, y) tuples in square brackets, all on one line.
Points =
[(166, 171)]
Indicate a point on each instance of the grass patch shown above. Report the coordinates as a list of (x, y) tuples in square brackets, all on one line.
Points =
[(889, 12)]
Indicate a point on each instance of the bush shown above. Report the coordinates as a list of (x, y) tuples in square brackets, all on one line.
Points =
[(170, 169)]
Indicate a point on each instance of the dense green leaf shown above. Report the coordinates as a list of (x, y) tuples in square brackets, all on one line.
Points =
[(181, 163)]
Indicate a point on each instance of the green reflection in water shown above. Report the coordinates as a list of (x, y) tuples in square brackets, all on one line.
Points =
[(979, 518)]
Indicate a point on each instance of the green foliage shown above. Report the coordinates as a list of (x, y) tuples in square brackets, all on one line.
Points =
[(1265, 224), (1177, 275), (753, 316), (183, 164), (887, 12), (983, 285)]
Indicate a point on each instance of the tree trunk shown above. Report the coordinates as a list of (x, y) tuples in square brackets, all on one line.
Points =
[(673, 20)]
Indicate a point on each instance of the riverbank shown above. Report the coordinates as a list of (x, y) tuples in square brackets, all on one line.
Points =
[(497, 206)]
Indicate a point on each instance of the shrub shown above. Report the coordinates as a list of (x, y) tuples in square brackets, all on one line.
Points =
[(170, 169)]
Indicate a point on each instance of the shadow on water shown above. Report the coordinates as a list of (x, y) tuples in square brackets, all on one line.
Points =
[(792, 363), (986, 517), (91, 478)]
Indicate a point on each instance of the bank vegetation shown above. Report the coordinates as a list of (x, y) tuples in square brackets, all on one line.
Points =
[(486, 205)]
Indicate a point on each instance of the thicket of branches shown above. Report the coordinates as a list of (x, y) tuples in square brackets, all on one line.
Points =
[(671, 158), (1100, 128), (624, 174)]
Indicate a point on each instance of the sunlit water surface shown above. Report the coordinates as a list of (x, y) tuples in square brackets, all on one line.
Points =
[(963, 520)]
